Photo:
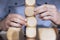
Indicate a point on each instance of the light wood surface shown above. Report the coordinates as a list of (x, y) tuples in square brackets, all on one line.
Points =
[(31, 22), (30, 32), (30, 2), (29, 11), (14, 33), (47, 34)]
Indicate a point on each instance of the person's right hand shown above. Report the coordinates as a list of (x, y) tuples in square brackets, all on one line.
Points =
[(13, 20)]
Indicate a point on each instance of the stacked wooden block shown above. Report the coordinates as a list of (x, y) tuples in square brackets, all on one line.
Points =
[(43, 33), (31, 20)]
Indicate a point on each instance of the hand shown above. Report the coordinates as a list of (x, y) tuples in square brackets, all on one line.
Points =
[(13, 20), (48, 12)]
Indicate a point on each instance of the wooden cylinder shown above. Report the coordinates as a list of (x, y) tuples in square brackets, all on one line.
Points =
[(31, 32), (30, 2), (31, 22), (29, 11)]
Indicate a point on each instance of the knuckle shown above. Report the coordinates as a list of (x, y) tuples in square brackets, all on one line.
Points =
[(53, 6)]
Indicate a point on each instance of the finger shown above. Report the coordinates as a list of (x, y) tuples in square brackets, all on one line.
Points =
[(45, 14), (12, 24), (15, 20), (51, 7), (40, 9), (47, 18), (22, 22), (45, 7), (21, 18), (18, 21), (18, 16)]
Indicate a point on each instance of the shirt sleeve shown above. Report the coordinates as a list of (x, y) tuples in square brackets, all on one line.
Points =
[(3, 9)]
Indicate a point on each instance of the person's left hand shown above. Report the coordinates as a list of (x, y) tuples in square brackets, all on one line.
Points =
[(48, 12)]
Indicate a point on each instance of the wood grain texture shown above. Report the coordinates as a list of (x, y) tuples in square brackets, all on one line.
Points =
[(31, 22), (13, 33), (30, 32), (30, 2), (29, 11)]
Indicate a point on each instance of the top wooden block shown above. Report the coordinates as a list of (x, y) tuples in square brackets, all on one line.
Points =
[(30, 2)]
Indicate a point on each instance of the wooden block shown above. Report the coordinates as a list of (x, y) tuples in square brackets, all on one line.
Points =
[(30, 2), (29, 11), (31, 22), (13, 33), (47, 34), (31, 32)]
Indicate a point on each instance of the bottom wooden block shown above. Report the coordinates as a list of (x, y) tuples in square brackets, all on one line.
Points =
[(30, 32), (47, 34)]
